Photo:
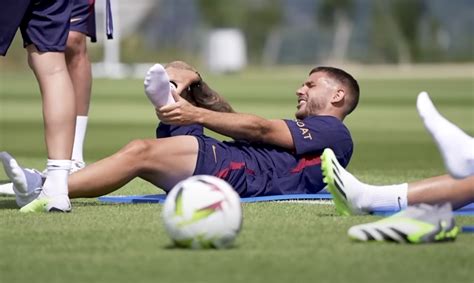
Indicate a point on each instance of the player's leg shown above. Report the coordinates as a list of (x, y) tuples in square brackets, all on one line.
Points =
[(456, 147), (79, 68), (59, 121), (352, 196), (162, 162), (441, 189), (82, 25), (44, 28), (58, 100)]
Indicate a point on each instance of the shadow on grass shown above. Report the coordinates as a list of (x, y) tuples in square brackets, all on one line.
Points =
[(8, 204), (85, 202), (172, 246)]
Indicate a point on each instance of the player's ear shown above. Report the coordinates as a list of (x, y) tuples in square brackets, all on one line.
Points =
[(338, 95)]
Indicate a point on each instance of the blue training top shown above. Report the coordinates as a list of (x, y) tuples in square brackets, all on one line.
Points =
[(261, 169)]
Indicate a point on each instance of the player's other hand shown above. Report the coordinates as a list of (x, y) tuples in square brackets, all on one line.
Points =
[(179, 113)]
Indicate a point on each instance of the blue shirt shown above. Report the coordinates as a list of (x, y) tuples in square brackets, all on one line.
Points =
[(261, 169)]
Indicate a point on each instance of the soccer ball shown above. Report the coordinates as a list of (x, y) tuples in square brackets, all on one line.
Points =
[(202, 212)]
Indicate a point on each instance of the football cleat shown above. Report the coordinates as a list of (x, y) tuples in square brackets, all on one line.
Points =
[(417, 224), (59, 203), (26, 183), (344, 187)]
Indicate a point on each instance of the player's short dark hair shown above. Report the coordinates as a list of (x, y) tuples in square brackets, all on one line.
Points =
[(345, 79)]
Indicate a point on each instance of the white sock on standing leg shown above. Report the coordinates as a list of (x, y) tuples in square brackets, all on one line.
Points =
[(81, 127), (56, 180)]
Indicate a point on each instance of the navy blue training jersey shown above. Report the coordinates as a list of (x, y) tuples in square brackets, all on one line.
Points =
[(261, 169)]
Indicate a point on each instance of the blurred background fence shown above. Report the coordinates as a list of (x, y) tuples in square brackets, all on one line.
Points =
[(278, 32)]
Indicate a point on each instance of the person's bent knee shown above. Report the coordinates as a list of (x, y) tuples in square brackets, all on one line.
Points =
[(137, 153), (138, 149)]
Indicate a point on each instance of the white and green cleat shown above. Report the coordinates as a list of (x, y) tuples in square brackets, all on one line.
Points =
[(417, 224), (37, 205), (344, 187), (59, 203)]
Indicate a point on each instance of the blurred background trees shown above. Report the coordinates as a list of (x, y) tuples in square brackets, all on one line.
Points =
[(292, 31)]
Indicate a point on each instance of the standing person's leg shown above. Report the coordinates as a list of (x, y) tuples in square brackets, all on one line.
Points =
[(79, 68), (59, 122), (58, 100), (45, 30), (82, 25)]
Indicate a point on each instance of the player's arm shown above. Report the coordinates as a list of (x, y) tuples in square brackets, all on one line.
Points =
[(238, 126)]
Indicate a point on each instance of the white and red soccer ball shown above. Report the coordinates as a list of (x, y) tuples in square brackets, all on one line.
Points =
[(202, 212)]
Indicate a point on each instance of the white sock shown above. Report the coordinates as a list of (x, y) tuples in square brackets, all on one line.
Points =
[(56, 180), (158, 87), (81, 127), (456, 147), (385, 198), (367, 198)]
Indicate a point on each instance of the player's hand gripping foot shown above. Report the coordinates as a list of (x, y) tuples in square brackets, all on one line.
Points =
[(456, 147), (346, 190), (417, 224), (26, 182)]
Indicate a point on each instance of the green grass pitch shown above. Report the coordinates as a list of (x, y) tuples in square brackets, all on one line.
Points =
[(290, 242)]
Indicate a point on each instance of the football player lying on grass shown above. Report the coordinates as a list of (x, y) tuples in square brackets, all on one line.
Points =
[(268, 157), (417, 224)]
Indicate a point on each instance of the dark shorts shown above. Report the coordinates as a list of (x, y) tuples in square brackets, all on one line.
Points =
[(215, 157), (83, 18), (44, 23), (218, 159)]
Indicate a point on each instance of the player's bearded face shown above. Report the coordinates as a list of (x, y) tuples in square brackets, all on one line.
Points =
[(314, 95)]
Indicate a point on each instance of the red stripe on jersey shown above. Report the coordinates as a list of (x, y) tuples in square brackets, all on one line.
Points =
[(232, 166), (306, 161)]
